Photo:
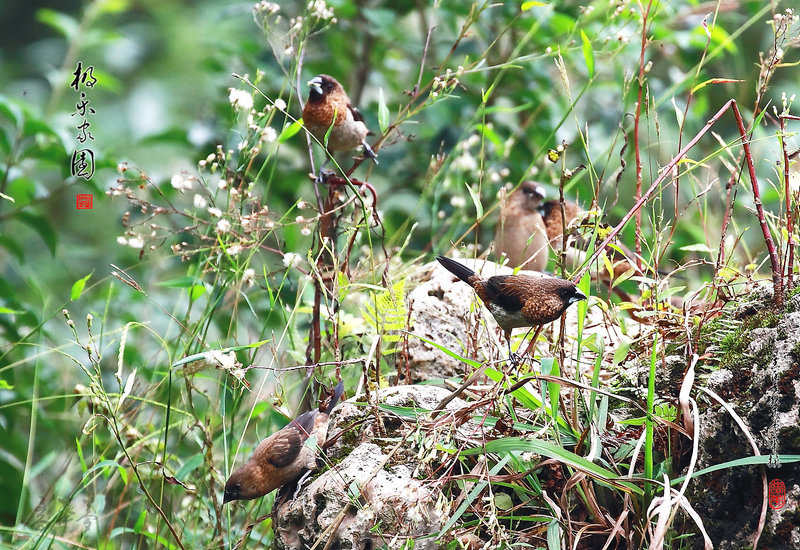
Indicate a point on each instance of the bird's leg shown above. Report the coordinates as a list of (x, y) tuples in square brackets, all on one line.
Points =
[(369, 152), (532, 344), (322, 173), (512, 357)]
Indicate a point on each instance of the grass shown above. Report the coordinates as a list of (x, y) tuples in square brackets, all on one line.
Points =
[(239, 286)]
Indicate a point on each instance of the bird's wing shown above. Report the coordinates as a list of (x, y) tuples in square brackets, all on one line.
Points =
[(506, 292), (286, 444), (356, 113)]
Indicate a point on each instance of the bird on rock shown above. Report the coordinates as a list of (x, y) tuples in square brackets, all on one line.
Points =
[(282, 457), (520, 300)]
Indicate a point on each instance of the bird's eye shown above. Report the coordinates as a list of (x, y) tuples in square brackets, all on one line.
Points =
[(237, 486)]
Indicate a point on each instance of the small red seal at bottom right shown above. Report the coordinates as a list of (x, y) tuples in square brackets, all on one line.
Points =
[(777, 494)]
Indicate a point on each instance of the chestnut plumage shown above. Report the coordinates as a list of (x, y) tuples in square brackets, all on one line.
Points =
[(521, 234), (329, 109), (518, 300), (283, 456)]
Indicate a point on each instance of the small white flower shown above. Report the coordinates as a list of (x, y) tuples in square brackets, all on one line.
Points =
[(181, 182), (226, 361), (122, 240), (199, 201), (136, 242), (234, 249), (268, 135), (249, 276), (280, 104), (214, 211), (465, 162), (301, 204), (238, 374), (223, 226), (306, 231), (291, 259), (239, 99), (320, 9), (458, 201)]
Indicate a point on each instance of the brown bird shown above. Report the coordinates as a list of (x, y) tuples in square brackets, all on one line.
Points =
[(521, 233), (329, 108), (551, 214), (518, 300), (283, 456)]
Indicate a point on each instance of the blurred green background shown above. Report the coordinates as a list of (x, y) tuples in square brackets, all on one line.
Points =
[(162, 105)]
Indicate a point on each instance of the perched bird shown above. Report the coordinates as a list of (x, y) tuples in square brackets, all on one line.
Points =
[(518, 300), (576, 253), (521, 233), (329, 108), (283, 456)]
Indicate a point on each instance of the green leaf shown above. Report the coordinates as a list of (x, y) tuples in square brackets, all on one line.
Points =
[(42, 226), (58, 21), (503, 501), (588, 53), (181, 282), (290, 130), (383, 112), (10, 311), (10, 110), (5, 385), (189, 466), (699, 247), (621, 352), (476, 199), (454, 355), (77, 288), (195, 291), (551, 450), (532, 4)]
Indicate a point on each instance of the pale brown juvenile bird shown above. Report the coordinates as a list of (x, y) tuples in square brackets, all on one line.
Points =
[(283, 456), (521, 233), (329, 108), (518, 300), (551, 214)]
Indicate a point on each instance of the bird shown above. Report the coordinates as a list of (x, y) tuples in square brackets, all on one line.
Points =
[(329, 113), (282, 457), (551, 215), (521, 233), (520, 300)]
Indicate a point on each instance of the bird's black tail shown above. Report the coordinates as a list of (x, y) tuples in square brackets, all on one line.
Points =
[(337, 394), (459, 270)]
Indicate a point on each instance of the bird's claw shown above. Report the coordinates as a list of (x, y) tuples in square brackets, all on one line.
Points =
[(323, 174), (516, 359), (300, 482), (368, 152)]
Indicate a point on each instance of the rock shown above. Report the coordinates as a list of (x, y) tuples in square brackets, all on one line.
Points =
[(364, 500), (763, 386)]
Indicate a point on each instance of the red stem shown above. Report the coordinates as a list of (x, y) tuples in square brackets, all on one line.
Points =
[(667, 171)]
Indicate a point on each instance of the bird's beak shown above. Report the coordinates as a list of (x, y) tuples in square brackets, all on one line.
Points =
[(227, 497), (577, 297), (315, 84)]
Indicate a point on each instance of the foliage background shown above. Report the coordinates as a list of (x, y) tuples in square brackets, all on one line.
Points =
[(162, 105)]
